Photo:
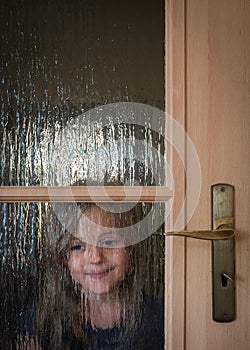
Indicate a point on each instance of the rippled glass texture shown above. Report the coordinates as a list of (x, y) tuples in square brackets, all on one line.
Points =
[(42, 300), (59, 60)]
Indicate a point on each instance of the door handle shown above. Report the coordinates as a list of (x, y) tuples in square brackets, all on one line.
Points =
[(222, 236)]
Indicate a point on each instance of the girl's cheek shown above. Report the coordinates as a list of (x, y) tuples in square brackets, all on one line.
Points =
[(75, 263)]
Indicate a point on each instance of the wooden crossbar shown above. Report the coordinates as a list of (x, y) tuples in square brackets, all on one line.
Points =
[(85, 194)]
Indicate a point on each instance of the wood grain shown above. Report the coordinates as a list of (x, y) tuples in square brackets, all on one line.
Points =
[(175, 107), (218, 113), (85, 194)]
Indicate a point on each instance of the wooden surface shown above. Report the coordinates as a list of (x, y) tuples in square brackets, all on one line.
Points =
[(175, 107), (218, 121), (85, 194)]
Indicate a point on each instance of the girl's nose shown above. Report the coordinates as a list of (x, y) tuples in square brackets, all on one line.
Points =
[(95, 254)]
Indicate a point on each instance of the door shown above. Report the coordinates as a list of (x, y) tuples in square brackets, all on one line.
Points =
[(208, 90)]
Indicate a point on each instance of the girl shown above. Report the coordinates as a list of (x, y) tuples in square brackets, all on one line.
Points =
[(97, 292)]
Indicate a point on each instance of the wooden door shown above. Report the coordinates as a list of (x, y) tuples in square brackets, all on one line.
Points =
[(208, 85)]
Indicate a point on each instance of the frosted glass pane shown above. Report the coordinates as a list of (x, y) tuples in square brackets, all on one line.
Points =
[(59, 59), (60, 62), (43, 283)]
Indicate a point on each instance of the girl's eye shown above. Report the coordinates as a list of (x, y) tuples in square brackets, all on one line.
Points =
[(77, 247), (109, 243)]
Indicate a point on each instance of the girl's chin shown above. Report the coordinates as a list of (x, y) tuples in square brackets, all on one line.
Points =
[(99, 293)]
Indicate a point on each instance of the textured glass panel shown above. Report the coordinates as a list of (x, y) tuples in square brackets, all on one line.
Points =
[(22, 238), (61, 58), (59, 62), (46, 295)]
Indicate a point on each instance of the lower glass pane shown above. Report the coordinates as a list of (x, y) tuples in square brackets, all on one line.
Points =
[(81, 276)]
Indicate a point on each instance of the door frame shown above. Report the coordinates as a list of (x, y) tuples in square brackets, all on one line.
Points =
[(175, 106)]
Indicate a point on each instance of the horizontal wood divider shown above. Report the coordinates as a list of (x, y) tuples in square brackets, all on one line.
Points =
[(85, 193)]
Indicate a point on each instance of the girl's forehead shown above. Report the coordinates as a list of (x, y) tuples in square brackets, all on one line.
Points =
[(96, 224), (98, 216)]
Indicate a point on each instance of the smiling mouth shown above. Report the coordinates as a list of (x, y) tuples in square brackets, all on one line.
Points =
[(99, 274)]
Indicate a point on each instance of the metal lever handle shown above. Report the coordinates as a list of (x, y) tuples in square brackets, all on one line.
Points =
[(211, 235), (223, 251)]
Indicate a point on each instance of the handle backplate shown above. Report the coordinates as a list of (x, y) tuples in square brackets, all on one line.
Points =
[(223, 254)]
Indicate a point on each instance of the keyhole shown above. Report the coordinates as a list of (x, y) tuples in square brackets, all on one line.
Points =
[(224, 280)]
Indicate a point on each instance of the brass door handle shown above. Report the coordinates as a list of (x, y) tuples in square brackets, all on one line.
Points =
[(222, 236), (211, 235)]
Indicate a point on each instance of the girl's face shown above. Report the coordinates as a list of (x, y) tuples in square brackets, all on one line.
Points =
[(101, 265)]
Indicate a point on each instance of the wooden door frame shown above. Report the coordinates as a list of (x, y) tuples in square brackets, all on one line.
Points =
[(175, 106)]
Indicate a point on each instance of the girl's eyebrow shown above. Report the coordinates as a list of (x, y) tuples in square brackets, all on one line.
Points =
[(104, 235), (108, 234), (76, 241)]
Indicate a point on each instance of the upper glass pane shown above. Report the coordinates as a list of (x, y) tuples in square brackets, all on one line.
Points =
[(60, 59)]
